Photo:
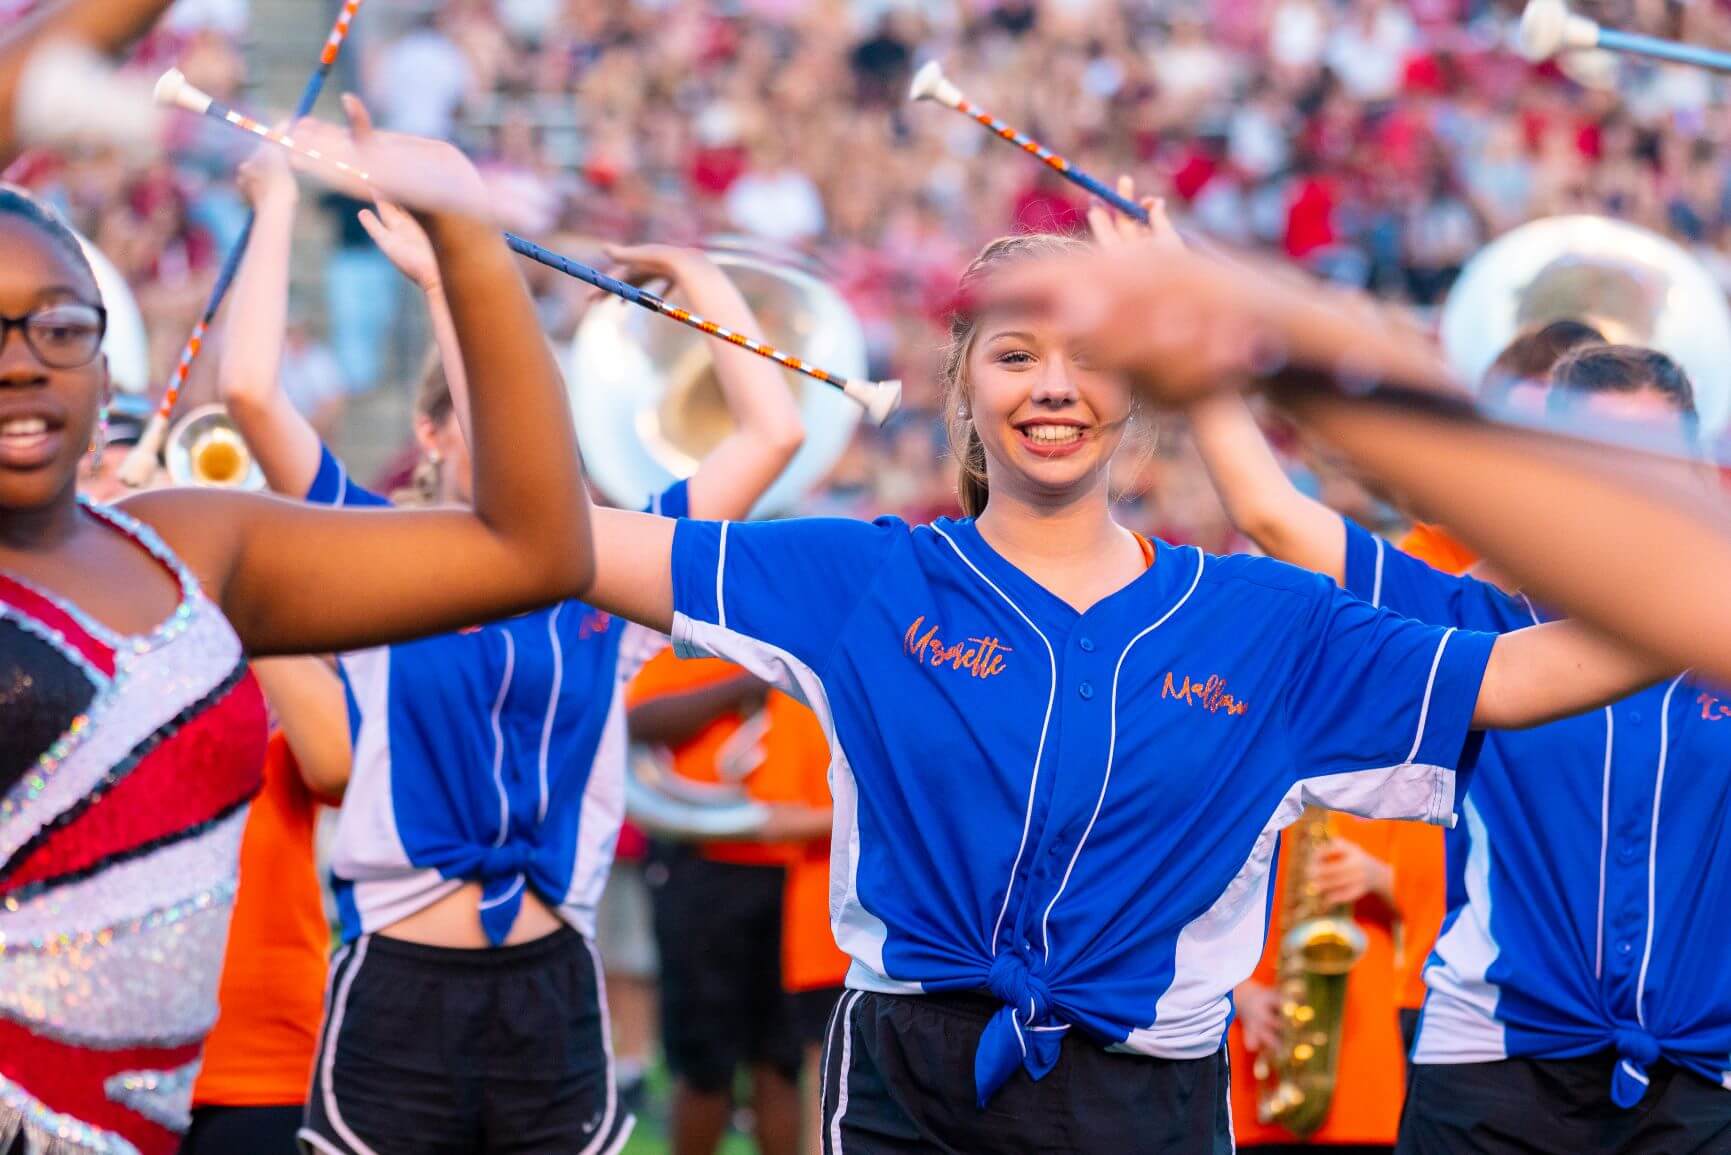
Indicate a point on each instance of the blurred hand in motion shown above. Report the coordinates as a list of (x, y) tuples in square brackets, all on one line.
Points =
[(1258, 1013), (266, 177), (1345, 872), (401, 238), (414, 172), (1182, 325), (1112, 229)]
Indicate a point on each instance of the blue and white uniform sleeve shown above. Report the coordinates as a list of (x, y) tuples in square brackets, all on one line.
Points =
[(775, 597), (1379, 710), (332, 485), (1384, 576), (674, 501)]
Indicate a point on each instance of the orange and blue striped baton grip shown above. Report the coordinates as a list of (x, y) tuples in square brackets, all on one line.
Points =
[(878, 397), (231, 263), (1053, 161)]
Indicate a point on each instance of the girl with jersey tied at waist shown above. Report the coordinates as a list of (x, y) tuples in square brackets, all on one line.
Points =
[(488, 781), (132, 734), (1599, 1013), (1062, 754)]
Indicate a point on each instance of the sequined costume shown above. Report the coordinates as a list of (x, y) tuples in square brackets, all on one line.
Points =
[(126, 764)]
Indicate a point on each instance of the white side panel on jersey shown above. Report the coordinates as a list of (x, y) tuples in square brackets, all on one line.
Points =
[(1460, 1023)]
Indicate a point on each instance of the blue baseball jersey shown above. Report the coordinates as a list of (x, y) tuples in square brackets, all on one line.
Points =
[(1076, 812), (494, 754), (1587, 886)]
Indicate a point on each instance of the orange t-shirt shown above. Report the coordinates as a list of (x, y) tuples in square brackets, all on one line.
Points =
[(792, 738), (1371, 1076), (271, 998), (810, 960), (1433, 545)]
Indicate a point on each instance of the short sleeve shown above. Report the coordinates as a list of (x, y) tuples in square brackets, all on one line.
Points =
[(1385, 577), (333, 486), (1380, 708), (674, 501), (775, 596)]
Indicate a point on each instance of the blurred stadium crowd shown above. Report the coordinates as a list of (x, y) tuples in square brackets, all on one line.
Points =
[(1380, 142)]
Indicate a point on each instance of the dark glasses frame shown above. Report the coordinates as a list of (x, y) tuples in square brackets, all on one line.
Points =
[(23, 324)]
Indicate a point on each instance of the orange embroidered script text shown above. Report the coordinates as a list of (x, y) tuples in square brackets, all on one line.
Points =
[(981, 657), (1210, 695)]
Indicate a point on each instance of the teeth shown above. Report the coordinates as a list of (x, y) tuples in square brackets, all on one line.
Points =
[(1052, 434), (23, 427)]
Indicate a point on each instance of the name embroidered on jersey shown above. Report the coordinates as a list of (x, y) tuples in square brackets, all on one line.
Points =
[(1712, 709), (981, 657), (1211, 695)]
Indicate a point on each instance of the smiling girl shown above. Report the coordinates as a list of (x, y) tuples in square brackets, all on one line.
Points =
[(1050, 879), (132, 734)]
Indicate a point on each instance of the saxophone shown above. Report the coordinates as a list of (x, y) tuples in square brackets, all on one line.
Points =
[(1318, 946)]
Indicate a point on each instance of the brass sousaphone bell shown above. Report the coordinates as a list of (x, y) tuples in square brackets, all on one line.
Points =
[(204, 448), (1634, 286), (648, 409)]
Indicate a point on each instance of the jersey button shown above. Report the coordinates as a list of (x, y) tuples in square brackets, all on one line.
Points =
[(1625, 947), (1087, 645), (1086, 689)]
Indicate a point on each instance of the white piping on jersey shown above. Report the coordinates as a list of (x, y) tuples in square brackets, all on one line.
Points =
[(1111, 750), (1376, 580), (1604, 820), (499, 740), (720, 573), (1604, 846), (552, 703), (342, 484), (1039, 752), (490, 903), (1429, 686), (841, 1076), (1653, 849)]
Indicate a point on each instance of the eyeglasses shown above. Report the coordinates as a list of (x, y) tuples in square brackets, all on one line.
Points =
[(65, 335)]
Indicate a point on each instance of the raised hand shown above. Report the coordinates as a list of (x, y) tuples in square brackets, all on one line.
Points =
[(410, 171), (266, 177), (401, 238), (1112, 229)]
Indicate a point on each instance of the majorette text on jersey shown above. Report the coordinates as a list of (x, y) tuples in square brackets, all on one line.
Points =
[(981, 657)]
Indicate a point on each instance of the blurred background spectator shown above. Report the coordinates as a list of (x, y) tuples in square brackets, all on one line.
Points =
[(1377, 141)]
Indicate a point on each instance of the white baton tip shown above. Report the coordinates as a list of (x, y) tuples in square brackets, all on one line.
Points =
[(174, 90), (880, 398), (139, 465), (1548, 27), (930, 83)]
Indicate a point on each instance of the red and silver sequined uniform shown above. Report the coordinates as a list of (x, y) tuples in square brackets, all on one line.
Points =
[(126, 765)]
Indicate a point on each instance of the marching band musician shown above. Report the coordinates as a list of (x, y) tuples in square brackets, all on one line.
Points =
[(1555, 985), (1061, 753), (718, 904), (487, 788), (132, 735), (1354, 869)]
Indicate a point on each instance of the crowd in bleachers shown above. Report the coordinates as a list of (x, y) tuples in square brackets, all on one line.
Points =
[(1378, 141)]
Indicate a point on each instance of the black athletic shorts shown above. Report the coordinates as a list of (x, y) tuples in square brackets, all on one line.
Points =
[(433, 1051), (899, 1077), (1559, 1107), (718, 930), (254, 1130)]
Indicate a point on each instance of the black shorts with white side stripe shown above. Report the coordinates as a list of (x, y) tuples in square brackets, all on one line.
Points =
[(432, 1051), (899, 1078)]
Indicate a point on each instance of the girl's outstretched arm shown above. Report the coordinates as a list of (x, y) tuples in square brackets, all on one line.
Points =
[(296, 579)]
